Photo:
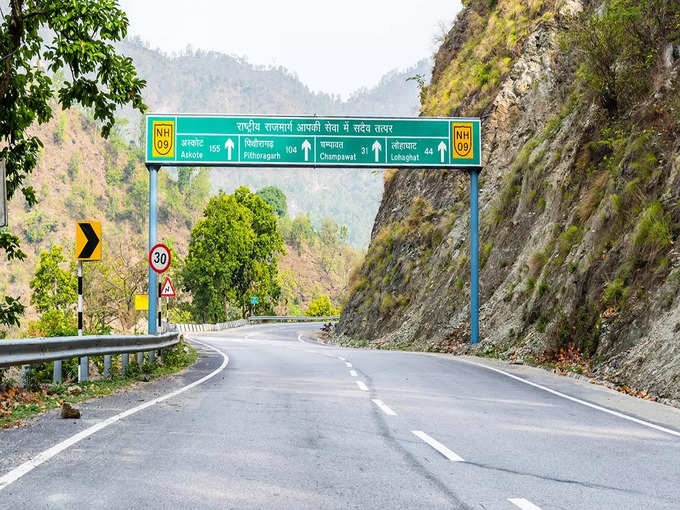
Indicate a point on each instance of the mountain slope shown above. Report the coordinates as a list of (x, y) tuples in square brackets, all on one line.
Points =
[(210, 82), (579, 200)]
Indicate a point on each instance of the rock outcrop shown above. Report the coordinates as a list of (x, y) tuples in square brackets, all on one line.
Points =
[(579, 212)]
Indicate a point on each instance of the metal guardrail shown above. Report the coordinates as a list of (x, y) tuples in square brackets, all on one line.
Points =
[(273, 318), (195, 328), (41, 350)]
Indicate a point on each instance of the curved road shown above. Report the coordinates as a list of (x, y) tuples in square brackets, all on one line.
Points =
[(290, 424)]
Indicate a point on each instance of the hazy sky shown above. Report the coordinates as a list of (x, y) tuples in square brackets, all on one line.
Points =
[(334, 47)]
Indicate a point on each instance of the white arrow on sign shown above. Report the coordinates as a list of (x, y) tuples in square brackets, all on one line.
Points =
[(230, 147), (306, 146), (377, 148), (442, 148)]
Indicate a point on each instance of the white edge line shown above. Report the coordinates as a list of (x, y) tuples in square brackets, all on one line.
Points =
[(577, 400), (453, 457), (362, 386), (348, 364), (29, 465), (523, 504), (384, 407), (353, 373)]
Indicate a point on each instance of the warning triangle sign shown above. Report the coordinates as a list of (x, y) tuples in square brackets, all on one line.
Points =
[(168, 290)]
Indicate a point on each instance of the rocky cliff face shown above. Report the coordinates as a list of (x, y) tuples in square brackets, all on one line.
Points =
[(579, 207)]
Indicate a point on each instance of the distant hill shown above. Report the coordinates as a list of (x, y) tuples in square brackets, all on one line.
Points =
[(82, 176), (210, 82)]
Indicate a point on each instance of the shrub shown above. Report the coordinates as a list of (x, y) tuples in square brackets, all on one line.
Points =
[(486, 252), (37, 225), (619, 45), (60, 129), (321, 307), (74, 165), (568, 239), (615, 292), (652, 233)]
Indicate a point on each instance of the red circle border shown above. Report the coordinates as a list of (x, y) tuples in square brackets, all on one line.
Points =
[(160, 245)]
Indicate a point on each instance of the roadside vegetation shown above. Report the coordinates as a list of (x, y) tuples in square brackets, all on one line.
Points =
[(99, 79), (19, 404)]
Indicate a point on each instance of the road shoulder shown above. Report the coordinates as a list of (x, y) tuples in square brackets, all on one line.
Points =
[(19, 445)]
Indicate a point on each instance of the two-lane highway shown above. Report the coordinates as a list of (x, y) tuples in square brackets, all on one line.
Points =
[(280, 422)]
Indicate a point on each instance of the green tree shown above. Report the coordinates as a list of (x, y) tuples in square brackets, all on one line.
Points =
[(321, 307), (619, 44), (81, 37), (233, 255), (55, 293), (275, 198), (301, 232), (54, 288), (184, 177)]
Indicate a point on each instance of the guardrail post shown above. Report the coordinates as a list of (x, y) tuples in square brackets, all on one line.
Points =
[(57, 375), (124, 363), (107, 366), (24, 375)]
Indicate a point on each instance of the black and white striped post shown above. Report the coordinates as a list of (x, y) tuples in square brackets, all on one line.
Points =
[(83, 364)]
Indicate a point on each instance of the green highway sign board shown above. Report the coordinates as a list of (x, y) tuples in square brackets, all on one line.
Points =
[(205, 140)]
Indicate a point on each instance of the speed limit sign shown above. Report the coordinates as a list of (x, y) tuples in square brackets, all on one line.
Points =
[(159, 258)]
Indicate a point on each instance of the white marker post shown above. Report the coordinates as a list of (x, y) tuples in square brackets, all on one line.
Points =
[(83, 364)]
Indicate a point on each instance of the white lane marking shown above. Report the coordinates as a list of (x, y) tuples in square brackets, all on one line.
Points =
[(578, 400), (523, 504), (362, 386), (341, 358), (437, 446), (348, 364), (383, 407), (29, 465), (353, 373)]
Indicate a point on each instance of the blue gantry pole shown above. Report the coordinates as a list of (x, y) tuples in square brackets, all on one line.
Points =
[(153, 239), (474, 256)]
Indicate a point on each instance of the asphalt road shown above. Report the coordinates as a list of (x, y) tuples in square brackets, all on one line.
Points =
[(294, 425)]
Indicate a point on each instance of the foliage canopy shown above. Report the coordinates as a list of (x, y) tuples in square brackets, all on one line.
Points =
[(233, 256), (322, 307), (275, 198), (98, 78)]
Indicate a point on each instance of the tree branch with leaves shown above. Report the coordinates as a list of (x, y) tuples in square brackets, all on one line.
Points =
[(80, 45)]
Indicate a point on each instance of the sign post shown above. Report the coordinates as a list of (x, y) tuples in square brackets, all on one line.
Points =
[(159, 262), (253, 301), (88, 249), (153, 236), (319, 142)]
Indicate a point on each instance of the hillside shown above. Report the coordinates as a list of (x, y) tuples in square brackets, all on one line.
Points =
[(82, 176), (305, 275), (579, 197), (210, 82)]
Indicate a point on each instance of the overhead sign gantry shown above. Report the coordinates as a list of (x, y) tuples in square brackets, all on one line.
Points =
[(196, 140), (316, 142)]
